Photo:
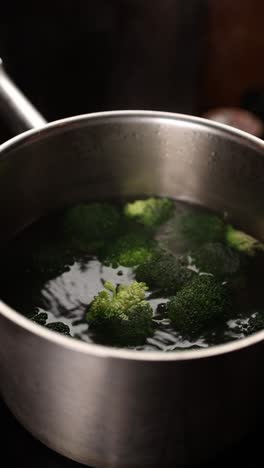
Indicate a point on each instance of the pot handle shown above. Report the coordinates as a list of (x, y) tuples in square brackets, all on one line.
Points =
[(15, 107)]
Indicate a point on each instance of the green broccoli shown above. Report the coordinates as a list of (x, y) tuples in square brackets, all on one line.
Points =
[(217, 259), (201, 228), (49, 258), (128, 250), (197, 304), (59, 327), (40, 318), (151, 212), (242, 242), (40, 256), (120, 315), (256, 322), (249, 324), (164, 272), (88, 225)]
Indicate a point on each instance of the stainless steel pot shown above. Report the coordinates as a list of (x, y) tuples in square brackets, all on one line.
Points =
[(112, 407)]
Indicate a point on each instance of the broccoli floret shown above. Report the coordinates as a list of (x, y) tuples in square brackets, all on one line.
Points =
[(120, 315), (40, 318), (242, 242), (200, 228), (129, 250), (256, 322), (197, 304), (49, 258), (59, 327), (217, 259), (249, 324), (151, 212), (88, 225), (40, 256), (164, 272)]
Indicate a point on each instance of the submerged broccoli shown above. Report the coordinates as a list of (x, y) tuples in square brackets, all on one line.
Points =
[(164, 272), (242, 242), (49, 258), (41, 256), (41, 319), (217, 259), (247, 325), (120, 315), (151, 212), (129, 250), (197, 304), (200, 228), (256, 322), (89, 224), (59, 327)]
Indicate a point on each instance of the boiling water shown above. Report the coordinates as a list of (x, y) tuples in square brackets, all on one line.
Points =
[(65, 297)]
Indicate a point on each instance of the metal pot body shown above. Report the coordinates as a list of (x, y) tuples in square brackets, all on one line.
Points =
[(113, 408)]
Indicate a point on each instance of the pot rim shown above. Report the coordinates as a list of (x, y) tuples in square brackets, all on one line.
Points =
[(106, 351)]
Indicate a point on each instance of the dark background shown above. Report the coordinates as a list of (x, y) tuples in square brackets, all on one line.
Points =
[(77, 56), (72, 57)]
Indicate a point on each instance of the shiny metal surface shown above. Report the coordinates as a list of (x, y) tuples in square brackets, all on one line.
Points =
[(17, 109), (113, 408)]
